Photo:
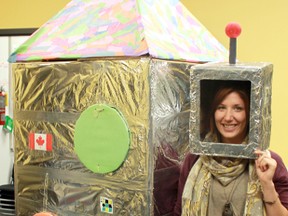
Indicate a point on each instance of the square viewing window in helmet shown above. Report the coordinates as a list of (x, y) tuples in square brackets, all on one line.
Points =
[(230, 109)]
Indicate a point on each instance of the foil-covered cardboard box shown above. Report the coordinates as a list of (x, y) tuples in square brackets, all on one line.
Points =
[(49, 97), (205, 79)]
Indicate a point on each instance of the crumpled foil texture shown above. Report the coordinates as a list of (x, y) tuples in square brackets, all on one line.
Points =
[(152, 95)]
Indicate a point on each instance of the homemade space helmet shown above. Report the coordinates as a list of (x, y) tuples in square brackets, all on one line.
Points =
[(254, 78)]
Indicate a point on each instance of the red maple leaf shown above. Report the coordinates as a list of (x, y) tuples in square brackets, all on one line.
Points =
[(40, 141)]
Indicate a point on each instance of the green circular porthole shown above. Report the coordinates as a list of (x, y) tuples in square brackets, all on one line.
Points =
[(101, 138)]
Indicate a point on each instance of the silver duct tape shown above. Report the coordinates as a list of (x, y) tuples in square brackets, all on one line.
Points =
[(259, 77), (42, 116), (152, 95)]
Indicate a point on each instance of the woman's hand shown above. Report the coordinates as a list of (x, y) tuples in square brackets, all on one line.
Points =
[(265, 166)]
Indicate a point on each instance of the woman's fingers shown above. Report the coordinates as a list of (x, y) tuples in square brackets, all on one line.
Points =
[(264, 160)]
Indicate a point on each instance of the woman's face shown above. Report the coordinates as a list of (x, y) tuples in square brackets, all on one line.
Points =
[(230, 119)]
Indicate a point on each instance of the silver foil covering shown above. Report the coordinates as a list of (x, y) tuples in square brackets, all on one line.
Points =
[(259, 78), (152, 95)]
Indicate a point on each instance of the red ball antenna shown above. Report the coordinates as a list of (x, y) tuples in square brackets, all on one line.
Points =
[(233, 30)]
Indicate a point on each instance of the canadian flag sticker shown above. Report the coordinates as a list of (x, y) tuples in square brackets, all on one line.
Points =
[(41, 142)]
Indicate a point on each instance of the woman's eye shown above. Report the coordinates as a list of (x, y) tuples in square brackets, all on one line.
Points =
[(220, 107), (238, 108)]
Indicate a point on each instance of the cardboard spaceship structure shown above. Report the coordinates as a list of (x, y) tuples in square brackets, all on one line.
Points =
[(102, 107)]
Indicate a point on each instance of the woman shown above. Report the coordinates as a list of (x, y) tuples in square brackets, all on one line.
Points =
[(232, 186)]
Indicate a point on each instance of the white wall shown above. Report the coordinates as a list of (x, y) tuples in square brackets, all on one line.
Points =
[(7, 46)]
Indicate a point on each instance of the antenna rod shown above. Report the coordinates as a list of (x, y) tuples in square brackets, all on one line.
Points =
[(233, 30)]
